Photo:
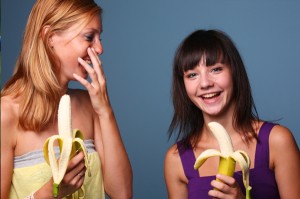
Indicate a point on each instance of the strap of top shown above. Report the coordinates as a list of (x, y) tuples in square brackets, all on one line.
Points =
[(187, 159), (262, 147)]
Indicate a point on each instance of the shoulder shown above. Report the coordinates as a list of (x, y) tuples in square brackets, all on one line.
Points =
[(282, 145), (9, 119), (79, 94), (81, 102), (82, 112), (172, 153), (80, 97), (285, 161), (281, 136), (9, 110), (172, 160)]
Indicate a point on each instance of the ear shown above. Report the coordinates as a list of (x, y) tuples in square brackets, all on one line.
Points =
[(43, 34)]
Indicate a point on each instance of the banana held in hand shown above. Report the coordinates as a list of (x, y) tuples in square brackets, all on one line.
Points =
[(69, 143), (228, 157)]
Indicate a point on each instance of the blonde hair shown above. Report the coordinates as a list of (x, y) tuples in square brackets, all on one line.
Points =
[(35, 78)]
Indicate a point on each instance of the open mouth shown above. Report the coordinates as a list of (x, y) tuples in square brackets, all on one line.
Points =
[(89, 62), (210, 95)]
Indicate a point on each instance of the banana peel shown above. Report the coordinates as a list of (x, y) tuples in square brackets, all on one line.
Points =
[(70, 142), (228, 157)]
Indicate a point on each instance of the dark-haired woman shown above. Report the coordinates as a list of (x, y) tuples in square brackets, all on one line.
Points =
[(210, 83)]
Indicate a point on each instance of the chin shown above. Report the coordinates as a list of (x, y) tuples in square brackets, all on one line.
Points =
[(213, 112)]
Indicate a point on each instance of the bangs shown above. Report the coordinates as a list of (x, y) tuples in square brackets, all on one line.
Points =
[(198, 47)]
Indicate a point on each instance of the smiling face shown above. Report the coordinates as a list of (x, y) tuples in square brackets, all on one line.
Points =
[(210, 88), (73, 43)]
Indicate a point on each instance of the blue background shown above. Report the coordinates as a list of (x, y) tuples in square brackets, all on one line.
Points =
[(140, 39)]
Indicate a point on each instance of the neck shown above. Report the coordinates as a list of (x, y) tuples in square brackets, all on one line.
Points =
[(225, 119)]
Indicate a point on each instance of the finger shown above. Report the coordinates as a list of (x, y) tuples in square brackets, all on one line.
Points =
[(77, 180), (94, 56), (216, 194), (97, 64), (220, 186), (85, 65), (72, 176), (84, 82), (227, 180), (79, 177), (80, 180), (81, 173), (77, 159), (93, 75)]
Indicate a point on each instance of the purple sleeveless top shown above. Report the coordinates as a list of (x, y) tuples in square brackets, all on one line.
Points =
[(262, 179)]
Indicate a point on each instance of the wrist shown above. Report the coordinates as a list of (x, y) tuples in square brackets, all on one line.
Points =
[(45, 191), (106, 113)]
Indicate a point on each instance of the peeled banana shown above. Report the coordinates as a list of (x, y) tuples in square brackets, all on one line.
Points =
[(228, 157), (69, 141)]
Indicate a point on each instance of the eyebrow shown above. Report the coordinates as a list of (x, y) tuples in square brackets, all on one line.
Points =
[(94, 30)]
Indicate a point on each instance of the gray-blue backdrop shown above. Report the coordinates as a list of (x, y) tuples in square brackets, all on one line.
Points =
[(140, 38)]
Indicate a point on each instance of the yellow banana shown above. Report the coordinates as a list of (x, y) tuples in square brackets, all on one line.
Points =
[(228, 157), (69, 143)]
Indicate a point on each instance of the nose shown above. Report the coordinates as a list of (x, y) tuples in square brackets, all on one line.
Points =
[(206, 81), (97, 45)]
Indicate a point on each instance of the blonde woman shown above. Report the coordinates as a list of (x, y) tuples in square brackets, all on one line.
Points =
[(61, 43)]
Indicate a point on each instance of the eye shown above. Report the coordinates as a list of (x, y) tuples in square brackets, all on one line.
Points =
[(217, 69), (191, 75), (89, 37)]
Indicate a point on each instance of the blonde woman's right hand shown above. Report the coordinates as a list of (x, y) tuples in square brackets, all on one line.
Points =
[(71, 182)]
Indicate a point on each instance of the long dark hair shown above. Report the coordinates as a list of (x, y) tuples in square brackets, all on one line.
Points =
[(217, 47)]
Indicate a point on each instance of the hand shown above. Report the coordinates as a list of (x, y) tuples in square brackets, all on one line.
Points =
[(228, 188), (74, 176), (71, 182), (97, 88)]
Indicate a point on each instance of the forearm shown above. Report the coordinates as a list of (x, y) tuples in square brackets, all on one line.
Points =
[(117, 170)]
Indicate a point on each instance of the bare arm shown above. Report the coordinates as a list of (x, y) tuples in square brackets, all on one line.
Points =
[(8, 141), (285, 159), (114, 160), (175, 179), (116, 167)]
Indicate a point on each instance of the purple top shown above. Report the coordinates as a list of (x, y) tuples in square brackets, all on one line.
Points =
[(262, 179)]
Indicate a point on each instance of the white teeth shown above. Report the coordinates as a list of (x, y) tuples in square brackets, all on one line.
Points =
[(209, 95), (88, 61)]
